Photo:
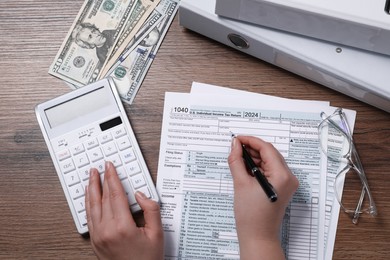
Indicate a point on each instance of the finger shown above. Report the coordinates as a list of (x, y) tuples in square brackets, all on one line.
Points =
[(107, 213), (117, 196), (152, 213), (93, 200), (236, 163), (272, 162), (254, 154), (267, 154), (257, 145), (87, 209)]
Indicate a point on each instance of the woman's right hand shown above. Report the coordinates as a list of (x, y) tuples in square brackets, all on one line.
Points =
[(258, 220)]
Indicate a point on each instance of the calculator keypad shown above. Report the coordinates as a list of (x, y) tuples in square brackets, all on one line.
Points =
[(112, 145)]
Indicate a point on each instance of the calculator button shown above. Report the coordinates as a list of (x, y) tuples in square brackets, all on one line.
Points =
[(133, 168), (85, 183), (115, 159), (95, 154), (138, 181), (109, 149), (67, 165), (128, 155), (71, 178), (119, 132), (145, 190), (79, 148), (123, 143), (129, 192), (100, 166), (79, 204), (81, 160), (84, 173), (121, 173), (63, 154), (76, 191), (82, 216), (104, 138), (91, 143)]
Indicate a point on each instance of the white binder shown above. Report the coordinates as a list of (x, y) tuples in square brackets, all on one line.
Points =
[(363, 24), (359, 74)]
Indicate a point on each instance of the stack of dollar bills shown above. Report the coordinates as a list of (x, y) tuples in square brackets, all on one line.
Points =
[(116, 38)]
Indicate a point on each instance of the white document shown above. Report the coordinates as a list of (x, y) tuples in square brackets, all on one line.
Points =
[(202, 88), (332, 208), (194, 180)]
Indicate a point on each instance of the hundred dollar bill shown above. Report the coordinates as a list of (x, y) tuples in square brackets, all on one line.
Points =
[(130, 74), (90, 41), (139, 14)]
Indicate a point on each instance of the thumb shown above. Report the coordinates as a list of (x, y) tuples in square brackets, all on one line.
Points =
[(236, 163), (151, 210)]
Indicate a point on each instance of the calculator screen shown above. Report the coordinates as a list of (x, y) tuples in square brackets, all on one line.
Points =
[(77, 107)]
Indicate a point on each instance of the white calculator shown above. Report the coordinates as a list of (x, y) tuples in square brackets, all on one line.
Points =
[(85, 128)]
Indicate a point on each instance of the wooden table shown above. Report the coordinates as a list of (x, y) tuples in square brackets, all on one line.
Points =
[(35, 222)]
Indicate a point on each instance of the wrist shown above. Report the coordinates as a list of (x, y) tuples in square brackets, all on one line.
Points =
[(261, 249)]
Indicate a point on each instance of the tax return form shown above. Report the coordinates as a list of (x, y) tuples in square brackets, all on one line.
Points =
[(332, 207), (194, 180)]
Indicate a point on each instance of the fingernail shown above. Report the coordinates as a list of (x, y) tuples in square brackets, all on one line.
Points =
[(92, 171), (234, 142), (140, 195), (107, 165)]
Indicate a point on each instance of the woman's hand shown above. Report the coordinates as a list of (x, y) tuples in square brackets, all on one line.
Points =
[(113, 231), (258, 220)]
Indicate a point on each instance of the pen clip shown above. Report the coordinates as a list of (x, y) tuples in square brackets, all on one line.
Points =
[(249, 170)]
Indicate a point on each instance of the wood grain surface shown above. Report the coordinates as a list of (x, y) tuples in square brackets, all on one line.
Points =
[(35, 222)]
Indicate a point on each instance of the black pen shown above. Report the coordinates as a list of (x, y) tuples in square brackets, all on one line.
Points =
[(255, 171)]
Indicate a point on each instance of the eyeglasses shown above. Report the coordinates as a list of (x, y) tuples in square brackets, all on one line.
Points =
[(337, 143)]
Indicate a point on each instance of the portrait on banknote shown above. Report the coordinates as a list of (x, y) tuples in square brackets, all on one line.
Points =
[(151, 39), (87, 35)]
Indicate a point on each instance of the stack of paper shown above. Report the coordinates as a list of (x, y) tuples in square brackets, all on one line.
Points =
[(195, 184)]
